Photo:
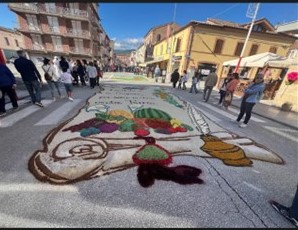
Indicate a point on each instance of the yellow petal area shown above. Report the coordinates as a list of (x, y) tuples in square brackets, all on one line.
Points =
[(175, 123), (229, 153), (119, 113)]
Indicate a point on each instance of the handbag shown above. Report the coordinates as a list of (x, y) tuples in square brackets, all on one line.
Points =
[(47, 75)]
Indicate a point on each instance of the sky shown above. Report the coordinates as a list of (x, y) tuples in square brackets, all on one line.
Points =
[(128, 23)]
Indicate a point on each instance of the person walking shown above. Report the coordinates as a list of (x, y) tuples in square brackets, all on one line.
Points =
[(184, 79), (231, 87), (223, 88), (91, 74), (7, 86), (67, 79), (175, 77), (63, 64), (251, 96), (210, 82), (56, 66), (81, 72), (98, 72), (290, 213), (194, 84), (30, 76), (157, 73), (52, 78)]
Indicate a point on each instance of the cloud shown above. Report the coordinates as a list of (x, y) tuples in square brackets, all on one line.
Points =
[(128, 43)]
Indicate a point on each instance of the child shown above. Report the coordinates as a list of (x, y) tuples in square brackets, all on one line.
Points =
[(67, 79)]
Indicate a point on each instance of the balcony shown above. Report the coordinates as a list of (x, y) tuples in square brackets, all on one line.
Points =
[(58, 49), (38, 47), (41, 9), (81, 51), (30, 29), (77, 33), (23, 7)]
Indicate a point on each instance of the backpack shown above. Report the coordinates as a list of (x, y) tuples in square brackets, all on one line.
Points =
[(47, 75)]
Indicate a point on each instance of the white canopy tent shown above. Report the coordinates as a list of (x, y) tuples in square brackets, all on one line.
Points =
[(258, 60), (283, 62)]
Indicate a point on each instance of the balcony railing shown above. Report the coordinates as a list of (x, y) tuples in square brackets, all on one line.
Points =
[(58, 49), (77, 50), (35, 8), (37, 47), (77, 33)]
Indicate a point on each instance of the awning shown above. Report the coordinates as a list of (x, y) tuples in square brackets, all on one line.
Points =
[(283, 62), (155, 61), (258, 60)]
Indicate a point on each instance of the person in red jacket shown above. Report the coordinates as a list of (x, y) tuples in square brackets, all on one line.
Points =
[(231, 87)]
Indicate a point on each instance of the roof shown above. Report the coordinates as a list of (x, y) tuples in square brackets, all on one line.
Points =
[(156, 27), (9, 30), (269, 26), (213, 21)]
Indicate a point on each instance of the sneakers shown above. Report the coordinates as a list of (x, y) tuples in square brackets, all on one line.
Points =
[(70, 98), (2, 114), (284, 211), (39, 104), (243, 125)]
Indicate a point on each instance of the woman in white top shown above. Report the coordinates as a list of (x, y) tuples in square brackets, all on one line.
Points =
[(91, 74), (53, 82)]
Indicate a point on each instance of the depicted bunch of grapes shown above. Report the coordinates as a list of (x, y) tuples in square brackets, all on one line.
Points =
[(141, 122)]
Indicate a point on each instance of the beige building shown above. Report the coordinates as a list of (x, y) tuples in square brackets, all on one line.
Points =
[(10, 42), (157, 34), (71, 29)]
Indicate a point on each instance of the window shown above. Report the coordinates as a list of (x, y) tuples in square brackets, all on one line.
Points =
[(17, 43), (253, 50), (36, 41), (273, 49), (158, 37), (53, 24), (218, 46), (6, 40), (178, 44), (32, 22), (292, 53), (258, 28), (239, 48), (57, 43)]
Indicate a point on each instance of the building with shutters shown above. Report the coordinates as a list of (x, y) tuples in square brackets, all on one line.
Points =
[(71, 29)]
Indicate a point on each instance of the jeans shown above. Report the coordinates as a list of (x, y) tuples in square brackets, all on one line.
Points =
[(193, 86), (11, 94), (246, 108), (92, 82), (34, 90), (209, 89), (294, 206), (53, 84), (222, 95)]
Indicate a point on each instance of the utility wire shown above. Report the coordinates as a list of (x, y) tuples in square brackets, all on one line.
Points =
[(226, 10)]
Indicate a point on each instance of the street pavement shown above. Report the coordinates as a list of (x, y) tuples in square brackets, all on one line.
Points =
[(231, 197)]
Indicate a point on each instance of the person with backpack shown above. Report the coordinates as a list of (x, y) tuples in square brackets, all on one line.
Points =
[(51, 77)]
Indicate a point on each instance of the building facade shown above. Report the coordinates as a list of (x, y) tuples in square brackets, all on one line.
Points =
[(10, 42), (71, 29), (157, 34), (204, 45)]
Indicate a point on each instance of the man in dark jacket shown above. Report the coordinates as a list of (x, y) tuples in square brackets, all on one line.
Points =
[(30, 77), (175, 77), (7, 85)]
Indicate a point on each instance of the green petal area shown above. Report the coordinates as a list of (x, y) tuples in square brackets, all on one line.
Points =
[(151, 152), (189, 128), (152, 113), (127, 126)]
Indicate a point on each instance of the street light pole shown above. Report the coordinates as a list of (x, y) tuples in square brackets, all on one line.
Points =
[(247, 37), (171, 42)]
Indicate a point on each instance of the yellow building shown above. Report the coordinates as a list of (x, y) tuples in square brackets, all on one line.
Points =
[(203, 45)]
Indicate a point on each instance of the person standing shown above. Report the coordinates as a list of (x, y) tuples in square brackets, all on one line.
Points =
[(7, 86), (251, 96), (67, 79), (91, 74), (56, 66), (194, 84), (223, 88), (184, 79), (175, 77), (291, 213), (81, 72), (157, 73), (30, 76), (63, 64), (53, 80), (210, 82), (231, 87)]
